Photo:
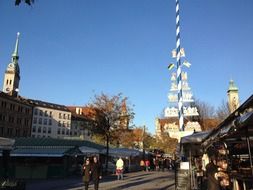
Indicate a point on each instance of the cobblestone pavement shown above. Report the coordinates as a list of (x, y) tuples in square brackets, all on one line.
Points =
[(132, 181)]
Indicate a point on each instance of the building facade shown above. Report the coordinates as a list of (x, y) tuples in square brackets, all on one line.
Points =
[(233, 96), (12, 73), (50, 120), (15, 116), (80, 124)]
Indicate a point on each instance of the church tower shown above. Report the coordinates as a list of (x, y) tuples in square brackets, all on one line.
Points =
[(233, 96), (12, 73)]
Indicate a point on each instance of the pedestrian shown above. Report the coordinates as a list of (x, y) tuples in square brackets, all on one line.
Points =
[(212, 174), (96, 172), (147, 165), (142, 164), (119, 168), (86, 173)]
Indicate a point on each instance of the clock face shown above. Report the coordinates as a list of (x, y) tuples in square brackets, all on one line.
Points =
[(7, 89), (11, 65)]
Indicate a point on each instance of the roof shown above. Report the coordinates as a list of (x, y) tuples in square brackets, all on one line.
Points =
[(51, 142), (47, 105), (232, 126), (18, 99), (39, 152), (164, 121)]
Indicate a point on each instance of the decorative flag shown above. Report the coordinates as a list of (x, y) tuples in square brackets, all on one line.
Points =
[(182, 53), (187, 64), (171, 66), (174, 53)]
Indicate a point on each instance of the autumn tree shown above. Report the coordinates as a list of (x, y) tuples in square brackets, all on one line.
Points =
[(166, 143), (110, 114)]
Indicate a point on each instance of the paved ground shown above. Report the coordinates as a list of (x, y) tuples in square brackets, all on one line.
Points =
[(132, 181)]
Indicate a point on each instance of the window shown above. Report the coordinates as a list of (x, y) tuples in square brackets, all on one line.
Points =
[(59, 123), (40, 120), (27, 110), (34, 129), (67, 132), (39, 129), (49, 130), (35, 120), (36, 112), (10, 82), (44, 129), (2, 117), (7, 81), (45, 122), (64, 116), (26, 122), (68, 116), (45, 114), (19, 120), (59, 131), (49, 122), (60, 116), (63, 132), (50, 114), (63, 124), (41, 113)]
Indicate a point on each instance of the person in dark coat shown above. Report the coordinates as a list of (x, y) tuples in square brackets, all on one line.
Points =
[(86, 173), (96, 172), (212, 175)]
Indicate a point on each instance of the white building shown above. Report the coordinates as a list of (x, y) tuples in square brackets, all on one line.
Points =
[(50, 120)]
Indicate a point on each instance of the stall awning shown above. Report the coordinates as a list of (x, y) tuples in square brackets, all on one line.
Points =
[(6, 144), (88, 150), (124, 152), (39, 152)]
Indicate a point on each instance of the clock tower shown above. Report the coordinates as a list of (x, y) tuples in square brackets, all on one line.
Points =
[(12, 73), (233, 96)]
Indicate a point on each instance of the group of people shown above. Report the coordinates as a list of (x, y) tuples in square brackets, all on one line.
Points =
[(156, 164), (91, 170)]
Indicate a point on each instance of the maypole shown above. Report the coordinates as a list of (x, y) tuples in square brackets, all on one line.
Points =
[(179, 72)]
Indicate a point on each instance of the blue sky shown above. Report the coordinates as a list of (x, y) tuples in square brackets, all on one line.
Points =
[(71, 50)]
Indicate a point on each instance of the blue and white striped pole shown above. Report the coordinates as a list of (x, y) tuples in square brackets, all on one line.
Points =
[(179, 72)]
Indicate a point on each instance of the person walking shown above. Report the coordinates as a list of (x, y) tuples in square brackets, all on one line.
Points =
[(96, 172), (142, 164), (119, 168), (86, 173), (147, 165)]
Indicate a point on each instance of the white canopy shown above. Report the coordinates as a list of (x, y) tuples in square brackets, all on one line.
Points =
[(124, 152), (88, 150), (6, 144)]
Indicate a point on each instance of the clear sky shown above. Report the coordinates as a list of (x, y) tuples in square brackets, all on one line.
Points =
[(72, 49)]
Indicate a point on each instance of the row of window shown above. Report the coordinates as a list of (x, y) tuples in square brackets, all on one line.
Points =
[(39, 121), (14, 107), (13, 132), (40, 129), (63, 124), (49, 114), (12, 119)]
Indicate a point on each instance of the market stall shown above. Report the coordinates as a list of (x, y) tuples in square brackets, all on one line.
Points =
[(191, 151), (233, 140)]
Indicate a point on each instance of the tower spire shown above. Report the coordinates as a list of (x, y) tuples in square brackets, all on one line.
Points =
[(15, 53)]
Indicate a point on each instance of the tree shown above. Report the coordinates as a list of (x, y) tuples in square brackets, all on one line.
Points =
[(29, 2), (109, 115), (207, 119), (166, 143), (222, 111)]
